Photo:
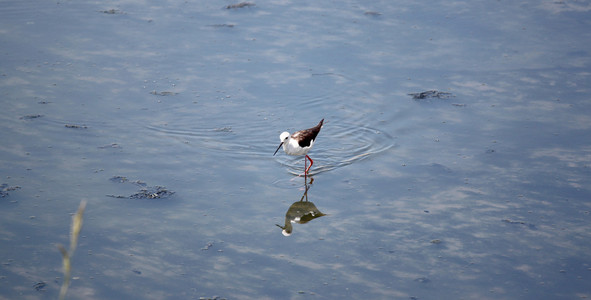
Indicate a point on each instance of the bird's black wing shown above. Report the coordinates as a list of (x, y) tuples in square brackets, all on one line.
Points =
[(308, 135)]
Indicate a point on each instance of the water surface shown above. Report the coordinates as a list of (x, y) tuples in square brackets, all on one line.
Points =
[(482, 193)]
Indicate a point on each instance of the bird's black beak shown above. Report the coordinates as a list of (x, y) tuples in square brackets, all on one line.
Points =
[(278, 148)]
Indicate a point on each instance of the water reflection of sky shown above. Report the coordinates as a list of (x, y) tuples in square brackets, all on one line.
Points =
[(482, 195)]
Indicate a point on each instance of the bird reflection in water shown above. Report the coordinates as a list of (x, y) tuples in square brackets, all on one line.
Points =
[(300, 212)]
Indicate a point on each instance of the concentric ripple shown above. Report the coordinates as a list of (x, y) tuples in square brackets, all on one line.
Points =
[(339, 145), (223, 138), (244, 130)]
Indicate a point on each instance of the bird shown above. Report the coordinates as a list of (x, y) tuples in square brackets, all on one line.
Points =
[(300, 143)]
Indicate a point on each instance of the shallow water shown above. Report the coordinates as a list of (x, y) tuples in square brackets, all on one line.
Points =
[(480, 194)]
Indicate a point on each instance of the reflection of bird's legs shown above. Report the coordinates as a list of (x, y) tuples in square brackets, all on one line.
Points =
[(305, 195), (306, 187)]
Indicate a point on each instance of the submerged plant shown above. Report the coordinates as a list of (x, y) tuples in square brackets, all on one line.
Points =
[(67, 254)]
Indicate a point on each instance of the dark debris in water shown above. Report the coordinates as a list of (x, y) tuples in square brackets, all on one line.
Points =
[(74, 126), (422, 280), (431, 94), (209, 245), (111, 11), (212, 298), (146, 192), (163, 93), (372, 13), (223, 129), (156, 192), (4, 189), (120, 179), (530, 226), (112, 145), (240, 5), (221, 25), (123, 179), (39, 286), (30, 117)]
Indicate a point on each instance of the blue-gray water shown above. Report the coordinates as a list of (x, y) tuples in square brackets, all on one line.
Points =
[(483, 193)]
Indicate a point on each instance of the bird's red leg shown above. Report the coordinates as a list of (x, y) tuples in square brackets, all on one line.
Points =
[(311, 163)]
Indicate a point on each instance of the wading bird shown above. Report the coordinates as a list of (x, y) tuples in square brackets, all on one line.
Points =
[(300, 143)]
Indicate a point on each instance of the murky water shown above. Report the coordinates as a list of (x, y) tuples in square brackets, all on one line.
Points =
[(164, 117)]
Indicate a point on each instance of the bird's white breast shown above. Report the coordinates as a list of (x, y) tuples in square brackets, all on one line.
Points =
[(292, 147)]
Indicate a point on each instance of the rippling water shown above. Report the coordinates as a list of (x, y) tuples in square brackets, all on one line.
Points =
[(342, 144), (164, 117)]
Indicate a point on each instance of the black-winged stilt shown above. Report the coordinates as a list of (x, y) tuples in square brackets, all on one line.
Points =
[(300, 143)]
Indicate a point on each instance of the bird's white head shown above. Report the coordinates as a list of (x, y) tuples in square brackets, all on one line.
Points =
[(283, 138)]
